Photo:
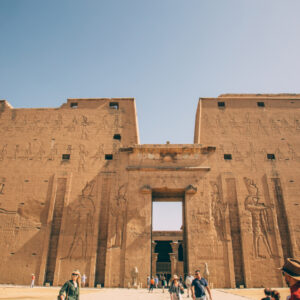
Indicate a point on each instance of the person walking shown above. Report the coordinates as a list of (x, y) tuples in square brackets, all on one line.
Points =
[(199, 285), (32, 280), (291, 272), (83, 280), (176, 289), (188, 282), (152, 284), (148, 282), (163, 283), (71, 287), (156, 282)]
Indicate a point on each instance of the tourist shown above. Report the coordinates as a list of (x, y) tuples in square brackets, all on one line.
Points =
[(156, 282), (83, 280), (148, 282), (71, 287), (188, 282), (291, 273), (152, 284), (181, 279), (275, 295), (176, 289), (163, 283), (267, 292), (199, 285), (32, 280)]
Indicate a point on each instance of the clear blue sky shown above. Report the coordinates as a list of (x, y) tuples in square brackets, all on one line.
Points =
[(165, 53)]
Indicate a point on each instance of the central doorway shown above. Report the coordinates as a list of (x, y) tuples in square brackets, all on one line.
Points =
[(168, 253)]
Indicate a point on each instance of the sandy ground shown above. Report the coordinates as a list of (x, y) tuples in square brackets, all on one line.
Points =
[(49, 293), (256, 294)]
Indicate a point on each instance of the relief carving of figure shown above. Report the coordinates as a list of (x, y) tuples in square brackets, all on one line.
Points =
[(237, 155), (2, 185), (41, 152), (3, 152), (100, 153), (218, 211), (82, 154), (260, 222), (82, 214), (73, 125), (220, 124), (84, 127), (261, 128), (118, 210), (53, 151), (28, 151), (234, 124)]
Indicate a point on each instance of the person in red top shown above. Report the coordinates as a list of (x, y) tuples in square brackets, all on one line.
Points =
[(32, 280), (291, 273)]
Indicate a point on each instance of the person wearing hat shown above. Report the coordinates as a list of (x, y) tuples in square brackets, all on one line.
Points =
[(176, 289), (291, 272), (71, 287)]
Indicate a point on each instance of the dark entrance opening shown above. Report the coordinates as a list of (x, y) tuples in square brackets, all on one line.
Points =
[(168, 255)]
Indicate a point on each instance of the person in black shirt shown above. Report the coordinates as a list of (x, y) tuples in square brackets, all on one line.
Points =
[(267, 292), (199, 285)]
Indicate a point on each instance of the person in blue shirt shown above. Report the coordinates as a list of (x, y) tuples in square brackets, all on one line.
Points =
[(199, 285)]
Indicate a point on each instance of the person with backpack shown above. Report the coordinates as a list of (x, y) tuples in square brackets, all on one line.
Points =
[(199, 285)]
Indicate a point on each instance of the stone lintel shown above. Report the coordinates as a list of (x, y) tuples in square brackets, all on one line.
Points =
[(171, 149), (166, 168)]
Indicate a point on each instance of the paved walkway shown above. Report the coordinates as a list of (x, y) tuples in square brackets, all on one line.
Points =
[(142, 294)]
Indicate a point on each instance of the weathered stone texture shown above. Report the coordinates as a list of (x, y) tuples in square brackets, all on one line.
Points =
[(240, 215)]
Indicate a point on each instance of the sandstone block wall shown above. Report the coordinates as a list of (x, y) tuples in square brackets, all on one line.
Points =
[(76, 191), (52, 192)]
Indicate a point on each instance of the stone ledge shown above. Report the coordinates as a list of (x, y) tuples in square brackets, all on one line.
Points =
[(166, 168)]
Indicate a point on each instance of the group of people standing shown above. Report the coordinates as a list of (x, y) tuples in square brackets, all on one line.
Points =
[(196, 285)]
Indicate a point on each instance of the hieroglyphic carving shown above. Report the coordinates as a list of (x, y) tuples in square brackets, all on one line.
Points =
[(53, 151), (28, 151), (2, 185), (82, 214), (261, 129), (275, 126), (3, 152), (260, 224), (82, 155), (237, 155), (99, 153), (234, 124), (247, 122), (17, 151), (218, 207), (117, 210), (117, 124), (41, 152), (73, 125), (84, 127), (220, 124)]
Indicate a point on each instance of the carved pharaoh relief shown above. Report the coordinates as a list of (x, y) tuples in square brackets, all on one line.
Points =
[(260, 223), (81, 214), (218, 207)]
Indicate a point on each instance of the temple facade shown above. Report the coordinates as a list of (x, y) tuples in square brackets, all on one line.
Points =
[(77, 189)]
